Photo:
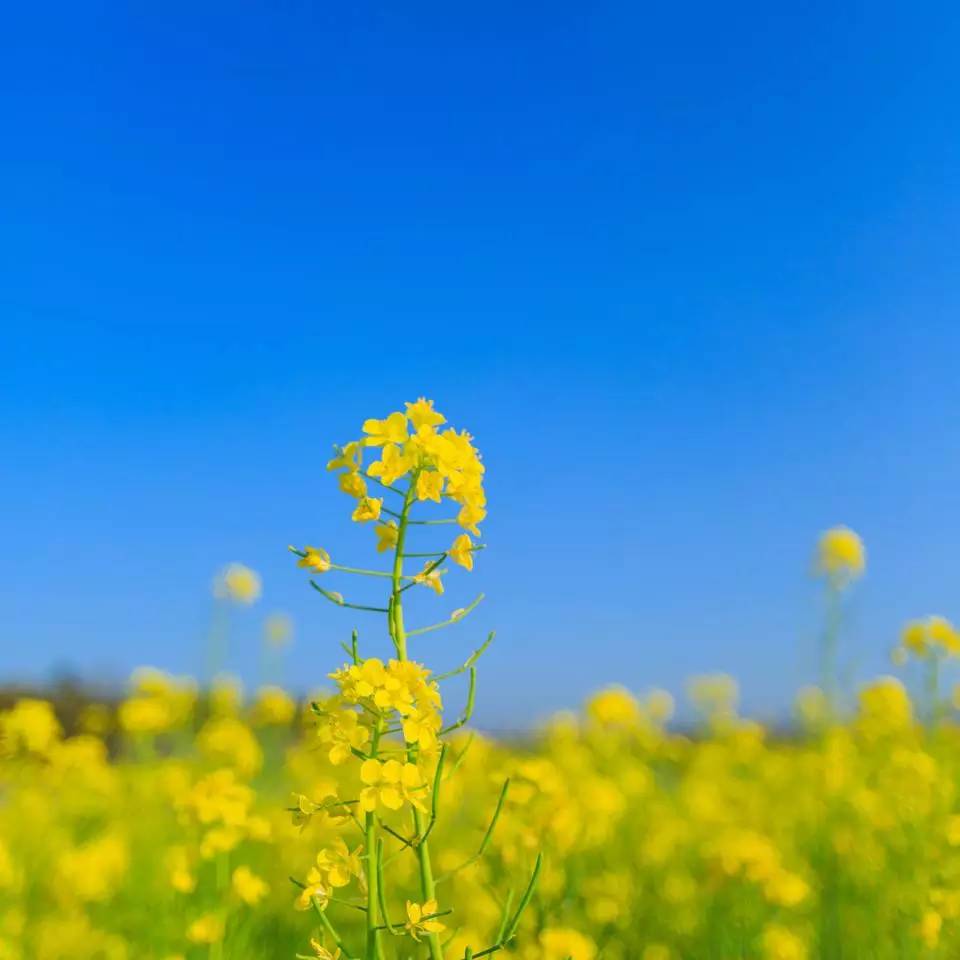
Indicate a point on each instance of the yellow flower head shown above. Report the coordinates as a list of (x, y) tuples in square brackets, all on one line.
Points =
[(429, 576), (339, 864), (206, 929), (391, 430), (348, 457), (314, 891), (321, 952), (934, 635), (390, 784), (430, 485), (420, 919), (250, 888), (422, 414), (316, 559), (386, 536), (779, 943), (563, 943), (391, 466), (353, 484), (841, 556), (368, 508), (462, 551), (885, 706), (238, 583), (469, 516), (345, 733), (278, 630)]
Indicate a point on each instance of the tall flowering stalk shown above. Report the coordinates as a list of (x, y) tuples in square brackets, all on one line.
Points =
[(840, 560), (386, 719)]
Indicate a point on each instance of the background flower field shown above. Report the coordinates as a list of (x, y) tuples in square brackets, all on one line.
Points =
[(190, 822)]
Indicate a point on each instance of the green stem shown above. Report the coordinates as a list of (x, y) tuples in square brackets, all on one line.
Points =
[(828, 651), (399, 635)]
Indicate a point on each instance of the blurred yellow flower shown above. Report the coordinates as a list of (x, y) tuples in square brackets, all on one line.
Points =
[(207, 929), (250, 888), (239, 583), (841, 556)]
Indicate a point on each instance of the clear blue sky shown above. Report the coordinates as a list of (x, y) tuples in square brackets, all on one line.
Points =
[(689, 273)]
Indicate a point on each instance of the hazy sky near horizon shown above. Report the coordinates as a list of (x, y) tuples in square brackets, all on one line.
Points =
[(688, 274)]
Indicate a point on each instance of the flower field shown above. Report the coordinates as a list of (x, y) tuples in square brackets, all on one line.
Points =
[(371, 822)]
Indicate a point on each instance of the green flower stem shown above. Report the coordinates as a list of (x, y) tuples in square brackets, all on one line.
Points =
[(468, 710), (340, 602), (434, 796), (374, 949), (450, 620), (428, 916), (399, 635), (364, 572), (386, 486), (328, 926), (381, 888), (486, 837), (470, 661), (828, 650)]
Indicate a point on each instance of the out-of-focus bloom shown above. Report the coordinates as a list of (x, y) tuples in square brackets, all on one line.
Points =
[(561, 943), (31, 726), (207, 929), (885, 705), (614, 707), (238, 583), (273, 706), (277, 630), (929, 928), (779, 943), (841, 556), (931, 636), (250, 888)]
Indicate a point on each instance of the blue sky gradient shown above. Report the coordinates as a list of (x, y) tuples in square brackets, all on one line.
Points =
[(688, 273)]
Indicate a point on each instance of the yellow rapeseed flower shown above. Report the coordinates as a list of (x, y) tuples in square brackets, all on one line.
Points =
[(422, 414), (207, 929), (386, 536), (461, 551), (368, 508), (250, 888), (391, 430), (316, 559), (420, 919), (239, 583), (841, 556)]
